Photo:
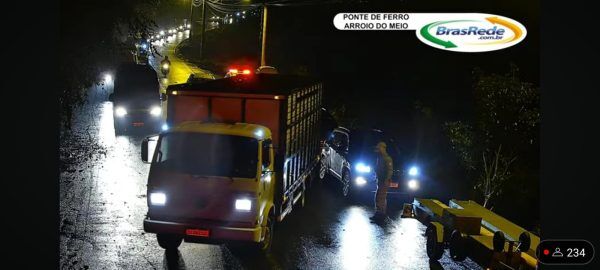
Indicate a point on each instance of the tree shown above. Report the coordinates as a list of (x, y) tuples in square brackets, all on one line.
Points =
[(95, 35), (344, 117), (496, 170), (506, 116)]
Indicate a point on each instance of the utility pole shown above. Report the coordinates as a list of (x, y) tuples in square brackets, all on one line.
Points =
[(202, 30), (192, 18), (264, 36)]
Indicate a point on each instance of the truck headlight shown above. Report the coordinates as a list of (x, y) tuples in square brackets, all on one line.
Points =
[(413, 184), (158, 198), (120, 111), (360, 181), (156, 110), (361, 167), (243, 204)]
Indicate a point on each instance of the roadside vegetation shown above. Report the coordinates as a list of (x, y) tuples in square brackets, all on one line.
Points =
[(498, 146), (94, 37)]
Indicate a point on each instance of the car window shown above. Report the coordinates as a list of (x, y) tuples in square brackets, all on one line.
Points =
[(340, 140)]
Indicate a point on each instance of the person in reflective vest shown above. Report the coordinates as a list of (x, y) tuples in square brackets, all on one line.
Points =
[(384, 170)]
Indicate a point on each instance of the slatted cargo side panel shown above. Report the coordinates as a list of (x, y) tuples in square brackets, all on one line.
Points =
[(301, 135)]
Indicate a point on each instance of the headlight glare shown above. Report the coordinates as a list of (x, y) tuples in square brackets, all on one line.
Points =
[(156, 110), (120, 111), (158, 198), (360, 181), (361, 167), (413, 171), (243, 204), (413, 184)]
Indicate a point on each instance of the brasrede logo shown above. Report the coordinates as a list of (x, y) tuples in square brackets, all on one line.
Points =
[(478, 34)]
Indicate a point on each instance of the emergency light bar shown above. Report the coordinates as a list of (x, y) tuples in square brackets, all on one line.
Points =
[(235, 71)]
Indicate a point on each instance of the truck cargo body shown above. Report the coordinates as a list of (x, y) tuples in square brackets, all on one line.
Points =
[(290, 106)]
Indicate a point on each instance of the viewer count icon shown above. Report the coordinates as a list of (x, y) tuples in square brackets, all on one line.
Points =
[(557, 253), (565, 252)]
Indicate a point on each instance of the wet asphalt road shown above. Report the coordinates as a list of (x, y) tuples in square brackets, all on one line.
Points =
[(103, 204)]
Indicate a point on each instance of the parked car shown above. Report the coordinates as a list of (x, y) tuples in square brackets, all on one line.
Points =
[(348, 156)]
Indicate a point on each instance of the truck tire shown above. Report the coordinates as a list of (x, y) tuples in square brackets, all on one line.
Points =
[(458, 247), (169, 241), (435, 250), (265, 245)]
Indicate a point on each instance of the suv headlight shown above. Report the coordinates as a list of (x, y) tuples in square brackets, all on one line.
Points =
[(155, 111), (361, 167), (243, 204), (158, 198), (413, 184), (360, 181), (413, 171)]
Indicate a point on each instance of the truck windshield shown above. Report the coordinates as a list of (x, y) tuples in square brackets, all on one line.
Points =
[(208, 154)]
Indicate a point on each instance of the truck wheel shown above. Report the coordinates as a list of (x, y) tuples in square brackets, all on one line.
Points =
[(435, 250), (458, 247), (169, 241), (322, 169), (266, 244)]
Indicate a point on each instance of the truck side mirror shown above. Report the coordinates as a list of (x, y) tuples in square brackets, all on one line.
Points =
[(163, 97), (145, 150), (111, 97), (266, 153), (148, 146)]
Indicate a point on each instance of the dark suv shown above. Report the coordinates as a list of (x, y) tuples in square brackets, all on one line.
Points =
[(136, 99), (348, 155)]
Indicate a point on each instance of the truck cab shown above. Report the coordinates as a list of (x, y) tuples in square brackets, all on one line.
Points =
[(211, 183)]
